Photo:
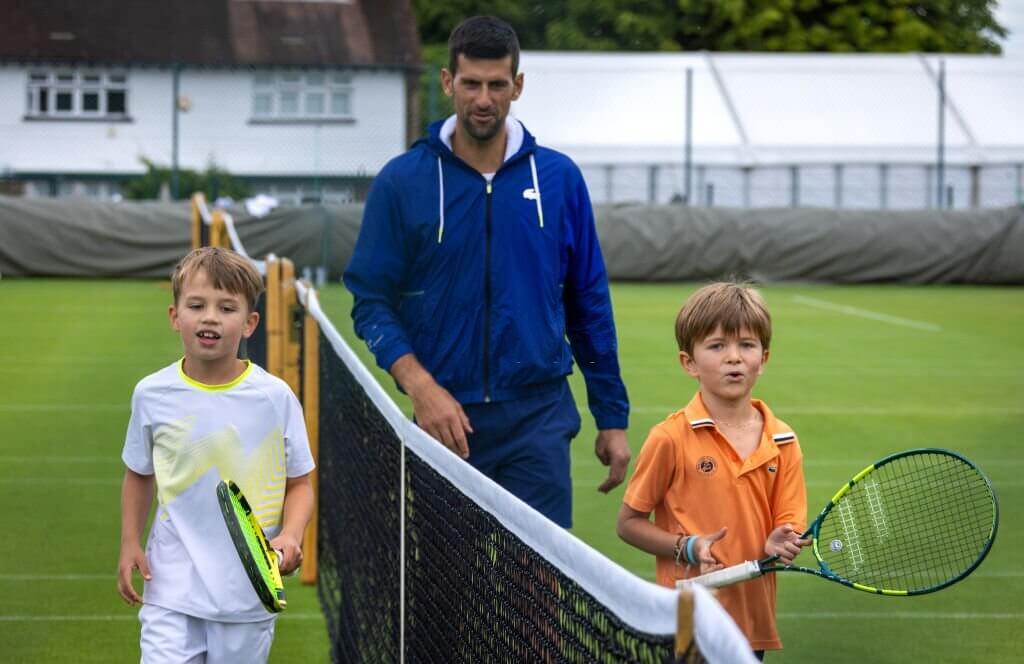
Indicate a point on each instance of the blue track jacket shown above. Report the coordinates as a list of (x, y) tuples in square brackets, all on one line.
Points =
[(484, 282)]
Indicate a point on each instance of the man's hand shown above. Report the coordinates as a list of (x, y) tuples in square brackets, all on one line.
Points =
[(440, 415), (612, 448), (435, 409)]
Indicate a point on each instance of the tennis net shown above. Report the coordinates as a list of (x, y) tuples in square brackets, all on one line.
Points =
[(423, 559)]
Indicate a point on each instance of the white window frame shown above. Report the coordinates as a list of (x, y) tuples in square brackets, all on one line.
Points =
[(44, 85), (310, 89)]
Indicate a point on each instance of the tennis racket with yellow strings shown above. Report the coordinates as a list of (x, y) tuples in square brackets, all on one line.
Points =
[(261, 562)]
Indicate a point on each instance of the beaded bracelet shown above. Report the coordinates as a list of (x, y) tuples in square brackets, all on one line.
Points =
[(680, 547)]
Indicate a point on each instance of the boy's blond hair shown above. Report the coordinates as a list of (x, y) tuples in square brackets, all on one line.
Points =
[(226, 270), (732, 305)]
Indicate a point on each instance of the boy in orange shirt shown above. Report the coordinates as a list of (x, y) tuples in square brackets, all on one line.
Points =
[(723, 477)]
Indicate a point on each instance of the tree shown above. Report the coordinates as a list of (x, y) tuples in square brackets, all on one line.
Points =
[(957, 26), (954, 26)]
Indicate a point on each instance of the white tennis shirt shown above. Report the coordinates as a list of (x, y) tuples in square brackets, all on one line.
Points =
[(191, 436)]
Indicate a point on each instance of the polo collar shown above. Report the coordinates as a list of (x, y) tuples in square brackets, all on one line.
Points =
[(698, 416)]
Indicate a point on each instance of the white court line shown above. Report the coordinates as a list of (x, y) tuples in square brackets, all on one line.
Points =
[(48, 407), (125, 617), (866, 411), (865, 313), (900, 615), (58, 459), (984, 463), (819, 484), (58, 577), (113, 481)]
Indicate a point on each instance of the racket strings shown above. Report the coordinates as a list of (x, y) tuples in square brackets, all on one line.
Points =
[(916, 522)]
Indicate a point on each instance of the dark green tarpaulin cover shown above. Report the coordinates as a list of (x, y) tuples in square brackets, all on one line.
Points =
[(646, 243)]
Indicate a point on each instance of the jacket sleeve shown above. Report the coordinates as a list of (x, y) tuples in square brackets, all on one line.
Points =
[(374, 275), (588, 314)]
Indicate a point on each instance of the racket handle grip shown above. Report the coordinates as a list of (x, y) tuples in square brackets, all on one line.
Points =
[(724, 577), (280, 557)]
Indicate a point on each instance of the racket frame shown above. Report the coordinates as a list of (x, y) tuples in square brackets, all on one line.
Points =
[(273, 598), (754, 568)]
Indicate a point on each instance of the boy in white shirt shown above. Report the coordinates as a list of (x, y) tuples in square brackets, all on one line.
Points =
[(207, 417)]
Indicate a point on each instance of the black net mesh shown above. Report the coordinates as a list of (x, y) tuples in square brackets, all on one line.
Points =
[(474, 591), (359, 521)]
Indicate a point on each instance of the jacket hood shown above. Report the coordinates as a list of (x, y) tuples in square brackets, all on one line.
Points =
[(434, 143)]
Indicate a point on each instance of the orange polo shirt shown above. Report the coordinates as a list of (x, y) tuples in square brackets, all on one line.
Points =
[(690, 476)]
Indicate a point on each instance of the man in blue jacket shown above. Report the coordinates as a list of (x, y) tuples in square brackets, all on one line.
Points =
[(477, 258)]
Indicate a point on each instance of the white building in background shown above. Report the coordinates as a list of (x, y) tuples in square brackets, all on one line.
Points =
[(783, 129), (303, 100)]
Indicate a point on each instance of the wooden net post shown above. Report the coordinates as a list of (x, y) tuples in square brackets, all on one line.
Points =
[(291, 342), (274, 328), (219, 230), (311, 410), (686, 646), (198, 200)]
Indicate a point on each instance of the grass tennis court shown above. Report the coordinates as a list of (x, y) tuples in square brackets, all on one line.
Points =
[(858, 372)]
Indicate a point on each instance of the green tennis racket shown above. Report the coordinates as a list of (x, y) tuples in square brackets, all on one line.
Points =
[(913, 523), (259, 560)]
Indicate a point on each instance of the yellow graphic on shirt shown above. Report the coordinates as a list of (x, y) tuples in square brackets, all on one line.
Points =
[(180, 461)]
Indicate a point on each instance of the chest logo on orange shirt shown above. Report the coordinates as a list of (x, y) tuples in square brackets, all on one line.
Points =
[(706, 465), (772, 468)]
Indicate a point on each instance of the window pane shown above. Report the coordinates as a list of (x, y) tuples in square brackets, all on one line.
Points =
[(65, 101), (117, 102), (91, 79), (339, 103), (44, 100), (65, 78), (38, 77), (315, 79), (314, 103), (341, 77), (289, 103), (291, 77), (91, 101), (117, 78), (263, 78), (262, 104)]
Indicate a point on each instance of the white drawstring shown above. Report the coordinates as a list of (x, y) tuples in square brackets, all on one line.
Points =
[(536, 188), (440, 193)]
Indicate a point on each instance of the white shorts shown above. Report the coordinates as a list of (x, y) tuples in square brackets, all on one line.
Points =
[(169, 637)]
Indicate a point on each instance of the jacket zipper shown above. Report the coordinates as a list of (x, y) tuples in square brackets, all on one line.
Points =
[(487, 301)]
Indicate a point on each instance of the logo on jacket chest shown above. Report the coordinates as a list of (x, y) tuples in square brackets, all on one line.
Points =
[(530, 194)]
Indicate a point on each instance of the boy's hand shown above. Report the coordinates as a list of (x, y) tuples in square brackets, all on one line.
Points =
[(291, 552), (702, 550), (785, 543), (132, 558)]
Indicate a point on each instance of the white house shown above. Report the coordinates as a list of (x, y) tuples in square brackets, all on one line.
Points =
[(298, 98)]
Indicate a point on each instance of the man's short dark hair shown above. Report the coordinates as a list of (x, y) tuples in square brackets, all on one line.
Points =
[(483, 37)]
